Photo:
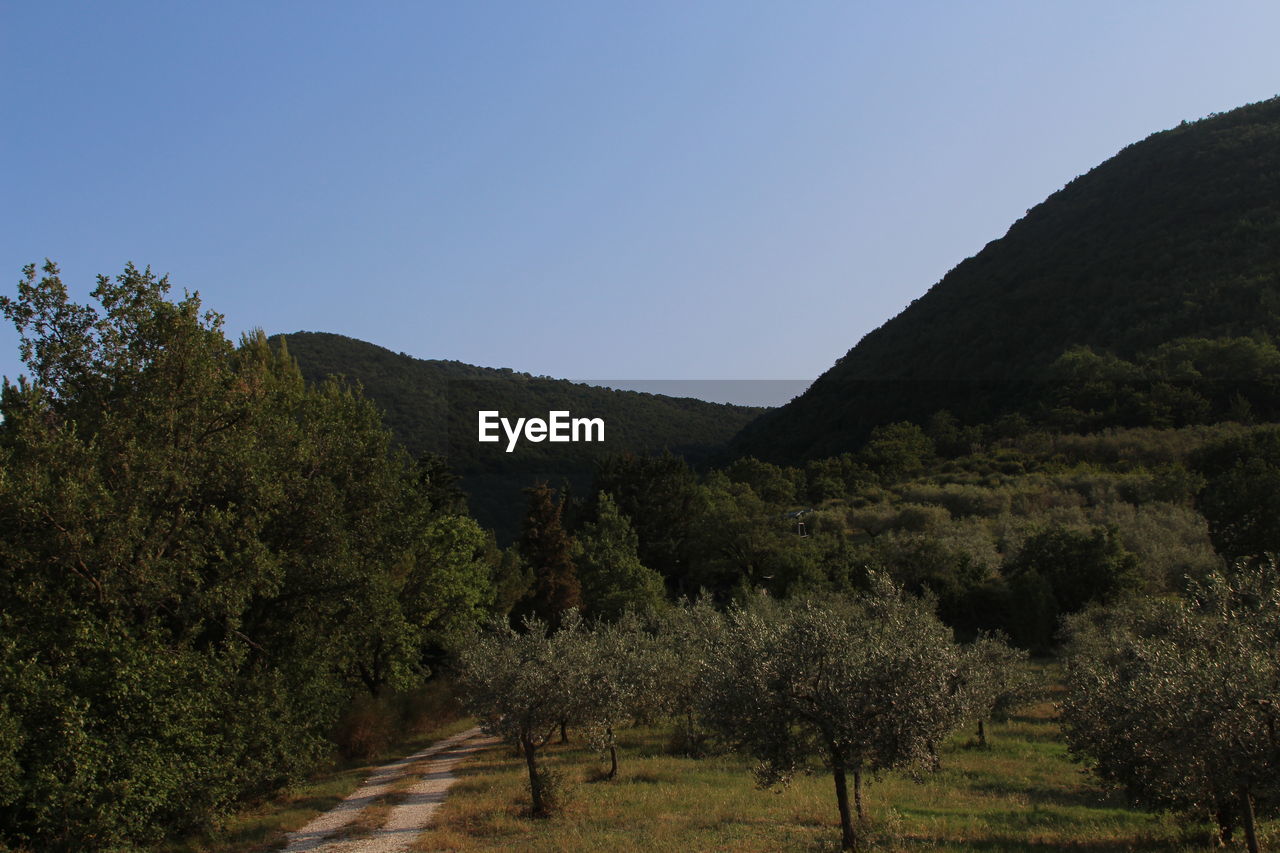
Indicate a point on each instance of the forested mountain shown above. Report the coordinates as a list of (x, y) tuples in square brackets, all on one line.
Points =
[(1145, 292), (431, 406)]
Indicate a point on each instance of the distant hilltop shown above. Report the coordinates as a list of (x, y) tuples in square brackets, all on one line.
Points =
[(432, 405)]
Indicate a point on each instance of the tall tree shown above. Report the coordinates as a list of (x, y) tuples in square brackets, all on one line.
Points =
[(659, 494), (613, 578), (547, 550)]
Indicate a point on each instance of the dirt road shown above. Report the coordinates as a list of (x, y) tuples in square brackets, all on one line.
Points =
[(394, 805)]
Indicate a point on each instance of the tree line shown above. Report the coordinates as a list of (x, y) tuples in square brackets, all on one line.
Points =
[(205, 562)]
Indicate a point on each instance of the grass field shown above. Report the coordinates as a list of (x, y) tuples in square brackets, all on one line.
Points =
[(1023, 793)]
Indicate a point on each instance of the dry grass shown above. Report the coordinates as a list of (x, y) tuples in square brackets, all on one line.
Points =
[(1023, 793)]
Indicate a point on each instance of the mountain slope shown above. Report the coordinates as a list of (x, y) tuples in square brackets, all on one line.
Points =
[(431, 406), (1174, 237)]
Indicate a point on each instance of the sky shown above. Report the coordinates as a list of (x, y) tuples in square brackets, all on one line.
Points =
[(689, 190)]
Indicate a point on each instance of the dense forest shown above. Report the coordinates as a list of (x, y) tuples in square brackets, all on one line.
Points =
[(215, 553), (430, 406), (207, 562)]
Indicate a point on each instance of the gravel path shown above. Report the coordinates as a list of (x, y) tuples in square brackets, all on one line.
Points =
[(430, 773)]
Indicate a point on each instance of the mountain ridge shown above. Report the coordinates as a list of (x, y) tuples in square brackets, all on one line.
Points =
[(431, 406), (1175, 236)]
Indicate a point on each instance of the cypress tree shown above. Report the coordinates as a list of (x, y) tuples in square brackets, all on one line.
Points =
[(547, 549)]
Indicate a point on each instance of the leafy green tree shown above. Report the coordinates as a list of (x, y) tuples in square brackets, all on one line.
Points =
[(996, 681), (615, 672), (773, 483), (444, 584), (510, 578), (613, 578), (950, 437), (522, 685), (1079, 566), (919, 560), (869, 685), (659, 495), (685, 634), (1031, 612), (835, 477), (897, 451), (1178, 701), (547, 549), (742, 544), (204, 561), (1241, 496)]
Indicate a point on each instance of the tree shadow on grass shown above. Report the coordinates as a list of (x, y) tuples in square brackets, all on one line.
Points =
[(1012, 843), (1014, 829), (1045, 795)]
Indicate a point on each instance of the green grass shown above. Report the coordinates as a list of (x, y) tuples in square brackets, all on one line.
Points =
[(1022, 793)]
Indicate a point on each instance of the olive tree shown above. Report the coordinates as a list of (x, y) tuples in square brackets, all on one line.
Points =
[(1177, 701), (685, 634), (521, 686), (870, 684), (615, 676), (996, 681)]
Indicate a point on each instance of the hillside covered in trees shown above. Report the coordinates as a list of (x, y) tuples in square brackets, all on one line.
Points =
[(1143, 293), (430, 406)]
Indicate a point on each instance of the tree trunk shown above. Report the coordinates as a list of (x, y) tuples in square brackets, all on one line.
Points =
[(857, 795), (691, 747), (613, 753), (1222, 815), (982, 735), (849, 841), (564, 735), (535, 778), (1246, 810)]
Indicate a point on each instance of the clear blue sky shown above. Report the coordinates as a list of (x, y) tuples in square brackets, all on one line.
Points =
[(605, 189)]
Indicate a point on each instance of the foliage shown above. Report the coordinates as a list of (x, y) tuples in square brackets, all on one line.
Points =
[(772, 483), (997, 681), (1241, 496), (522, 686), (685, 635), (608, 563), (869, 685), (896, 451), (1073, 568), (1177, 701), (658, 495), (204, 561), (615, 666), (547, 549)]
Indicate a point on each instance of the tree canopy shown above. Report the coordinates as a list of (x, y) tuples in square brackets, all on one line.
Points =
[(204, 559)]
